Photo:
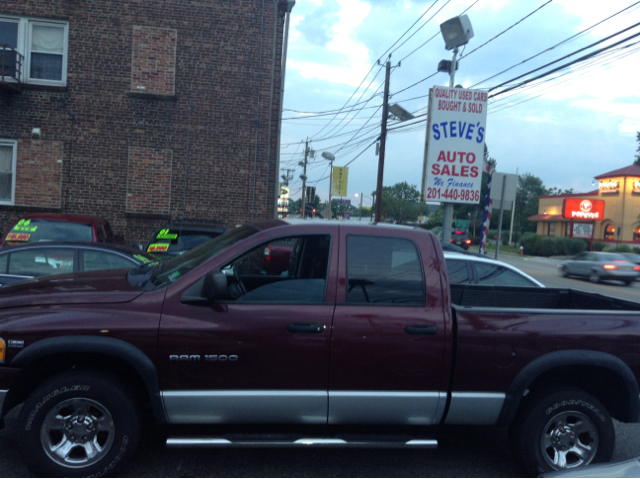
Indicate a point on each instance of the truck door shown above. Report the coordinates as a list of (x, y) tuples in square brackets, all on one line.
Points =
[(388, 342), (260, 354)]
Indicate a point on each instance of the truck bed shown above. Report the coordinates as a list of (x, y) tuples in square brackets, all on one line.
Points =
[(472, 296)]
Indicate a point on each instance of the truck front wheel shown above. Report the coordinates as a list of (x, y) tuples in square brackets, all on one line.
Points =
[(79, 423), (562, 428)]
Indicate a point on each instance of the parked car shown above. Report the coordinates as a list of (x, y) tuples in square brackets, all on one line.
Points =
[(174, 239), (598, 266), (357, 345), (58, 227), (451, 247), (471, 269), (460, 237), (26, 261)]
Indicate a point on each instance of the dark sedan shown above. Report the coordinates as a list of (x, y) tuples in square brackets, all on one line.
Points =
[(45, 259), (599, 266)]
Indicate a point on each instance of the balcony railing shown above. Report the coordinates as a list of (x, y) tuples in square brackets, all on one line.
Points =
[(11, 62)]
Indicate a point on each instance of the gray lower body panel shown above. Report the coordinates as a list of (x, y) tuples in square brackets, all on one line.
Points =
[(246, 407), (386, 407), (481, 409), (408, 408)]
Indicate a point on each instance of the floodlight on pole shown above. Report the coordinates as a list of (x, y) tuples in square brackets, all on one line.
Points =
[(331, 157), (456, 32)]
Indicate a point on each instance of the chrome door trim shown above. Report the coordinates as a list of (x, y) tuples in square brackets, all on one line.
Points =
[(475, 408), (386, 407), (3, 395), (246, 407)]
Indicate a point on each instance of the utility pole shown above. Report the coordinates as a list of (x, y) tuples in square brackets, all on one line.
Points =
[(360, 215), (513, 212), (373, 203), (383, 142), (448, 207), (287, 177), (304, 178), (330, 186)]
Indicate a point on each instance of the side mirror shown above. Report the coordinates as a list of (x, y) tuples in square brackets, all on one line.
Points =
[(138, 246), (206, 290)]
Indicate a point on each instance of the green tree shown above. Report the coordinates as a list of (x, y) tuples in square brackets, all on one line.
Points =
[(400, 202), (637, 160), (530, 188)]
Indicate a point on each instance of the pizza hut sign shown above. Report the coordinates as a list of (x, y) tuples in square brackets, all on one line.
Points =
[(582, 209)]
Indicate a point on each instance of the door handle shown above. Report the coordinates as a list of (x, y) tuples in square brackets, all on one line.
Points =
[(413, 329), (305, 328)]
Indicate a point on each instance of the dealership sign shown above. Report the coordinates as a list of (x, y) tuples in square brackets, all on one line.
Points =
[(455, 145), (581, 209)]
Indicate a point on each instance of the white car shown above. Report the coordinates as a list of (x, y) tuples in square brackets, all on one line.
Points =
[(469, 269)]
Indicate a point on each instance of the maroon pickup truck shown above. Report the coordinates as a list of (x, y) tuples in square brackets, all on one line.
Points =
[(354, 342)]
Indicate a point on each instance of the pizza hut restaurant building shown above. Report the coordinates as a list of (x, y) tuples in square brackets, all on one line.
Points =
[(609, 214)]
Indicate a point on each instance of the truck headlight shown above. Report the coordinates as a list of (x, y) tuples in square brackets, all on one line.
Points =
[(3, 349)]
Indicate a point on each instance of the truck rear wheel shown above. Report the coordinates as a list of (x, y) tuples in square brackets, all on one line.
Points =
[(79, 423), (560, 429)]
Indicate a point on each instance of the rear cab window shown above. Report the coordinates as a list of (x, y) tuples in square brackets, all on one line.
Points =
[(34, 231), (385, 271)]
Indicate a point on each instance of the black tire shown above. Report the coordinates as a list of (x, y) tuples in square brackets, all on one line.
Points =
[(79, 423), (628, 282), (563, 271), (564, 417), (594, 277)]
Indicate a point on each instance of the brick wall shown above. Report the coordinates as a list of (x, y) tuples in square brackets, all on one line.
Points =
[(98, 119), (39, 173), (153, 67), (149, 181)]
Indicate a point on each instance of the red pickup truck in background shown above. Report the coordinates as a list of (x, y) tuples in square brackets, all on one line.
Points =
[(58, 227), (358, 341)]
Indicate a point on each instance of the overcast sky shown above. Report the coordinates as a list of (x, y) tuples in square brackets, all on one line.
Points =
[(565, 131)]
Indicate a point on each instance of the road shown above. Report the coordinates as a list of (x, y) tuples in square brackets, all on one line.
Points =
[(462, 452)]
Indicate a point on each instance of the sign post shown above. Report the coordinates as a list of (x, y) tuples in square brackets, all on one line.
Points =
[(455, 148)]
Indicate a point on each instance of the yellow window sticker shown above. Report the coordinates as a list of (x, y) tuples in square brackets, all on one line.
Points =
[(17, 237), (157, 248), (164, 234), (24, 225)]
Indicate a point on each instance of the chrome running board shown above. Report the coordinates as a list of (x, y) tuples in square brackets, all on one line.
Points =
[(211, 442)]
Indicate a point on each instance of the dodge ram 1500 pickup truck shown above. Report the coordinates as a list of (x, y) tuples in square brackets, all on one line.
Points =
[(354, 341)]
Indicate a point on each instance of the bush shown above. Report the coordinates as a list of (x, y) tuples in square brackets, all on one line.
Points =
[(599, 246), (549, 246), (621, 248)]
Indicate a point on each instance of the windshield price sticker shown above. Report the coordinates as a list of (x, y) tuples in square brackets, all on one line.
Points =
[(17, 237), (164, 234), (24, 225), (157, 248), (455, 145)]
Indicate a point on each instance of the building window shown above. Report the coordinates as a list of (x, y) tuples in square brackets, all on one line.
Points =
[(43, 43), (552, 228), (567, 229), (609, 232), (8, 154), (636, 234)]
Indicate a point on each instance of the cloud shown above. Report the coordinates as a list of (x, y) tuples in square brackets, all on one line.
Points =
[(318, 27)]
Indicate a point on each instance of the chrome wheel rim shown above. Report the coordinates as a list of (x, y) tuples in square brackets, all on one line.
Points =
[(570, 439), (77, 432)]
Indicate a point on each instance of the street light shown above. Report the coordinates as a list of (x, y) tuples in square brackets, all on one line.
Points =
[(456, 32), (329, 156), (361, 195)]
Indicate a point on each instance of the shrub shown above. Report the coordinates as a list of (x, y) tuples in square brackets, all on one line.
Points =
[(551, 246), (599, 246), (621, 248)]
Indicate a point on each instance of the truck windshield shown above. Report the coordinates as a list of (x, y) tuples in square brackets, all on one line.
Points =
[(33, 231), (169, 271)]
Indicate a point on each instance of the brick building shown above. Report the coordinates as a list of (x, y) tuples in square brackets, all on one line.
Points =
[(140, 110)]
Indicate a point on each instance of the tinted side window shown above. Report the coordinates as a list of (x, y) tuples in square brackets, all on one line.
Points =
[(493, 275), (97, 260), (289, 270), (384, 271), (3, 263), (41, 262), (457, 271)]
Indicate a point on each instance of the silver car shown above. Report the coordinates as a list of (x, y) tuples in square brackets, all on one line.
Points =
[(601, 266), (470, 269)]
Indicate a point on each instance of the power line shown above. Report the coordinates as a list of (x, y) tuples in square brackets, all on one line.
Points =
[(561, 67), (572, 37), (506, 30), (423, 25)]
